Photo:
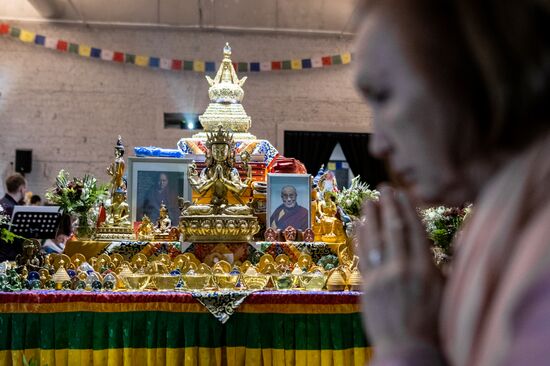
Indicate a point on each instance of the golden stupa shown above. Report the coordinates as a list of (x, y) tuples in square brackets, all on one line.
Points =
[(225, 108)]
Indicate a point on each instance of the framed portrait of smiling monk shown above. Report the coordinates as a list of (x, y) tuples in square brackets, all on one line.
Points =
[(289, 201)]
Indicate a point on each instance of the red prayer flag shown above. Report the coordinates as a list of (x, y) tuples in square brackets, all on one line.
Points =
[(62, 45), (118, 57), (4, 28), (327, 61), (276, 65), (176, 64)]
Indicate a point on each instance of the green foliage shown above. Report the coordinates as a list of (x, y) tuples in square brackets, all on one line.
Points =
[(351, 199), (442, 223), (76, 195)]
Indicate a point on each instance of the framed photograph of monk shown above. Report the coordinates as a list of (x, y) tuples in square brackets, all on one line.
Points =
[(153, 181), (289, 201)]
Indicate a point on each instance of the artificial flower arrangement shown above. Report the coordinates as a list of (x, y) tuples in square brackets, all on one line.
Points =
[(442, 224), (77, 197), (351, 199)]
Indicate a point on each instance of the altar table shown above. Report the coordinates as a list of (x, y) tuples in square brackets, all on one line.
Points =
[(172, 328)]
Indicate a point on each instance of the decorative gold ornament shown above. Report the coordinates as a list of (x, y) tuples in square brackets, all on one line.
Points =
[(219, 221), (117, 226), (226, 95)]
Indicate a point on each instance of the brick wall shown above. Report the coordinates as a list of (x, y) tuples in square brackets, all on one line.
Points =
[(70, 109)]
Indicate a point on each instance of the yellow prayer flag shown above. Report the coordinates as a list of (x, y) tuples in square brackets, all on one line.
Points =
[(346, 58), (142, 60), (295, 64), (26, 36), (84, 50), (331, 166), (198, 66)]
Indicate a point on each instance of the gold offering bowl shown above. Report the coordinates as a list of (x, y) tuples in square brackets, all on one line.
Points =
[(313, 281), (197, 281), (136, 281), (255, 281), (285, 281), (166, 282), (226, 280)]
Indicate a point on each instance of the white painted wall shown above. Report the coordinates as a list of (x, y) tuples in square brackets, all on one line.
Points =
[(70, 109)]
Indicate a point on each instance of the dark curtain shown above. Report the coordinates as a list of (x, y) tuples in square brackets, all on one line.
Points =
[(315, 148), (356, 149), (311, 148)]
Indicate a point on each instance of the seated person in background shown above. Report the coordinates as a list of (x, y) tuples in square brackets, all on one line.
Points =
[(289, 213), (16, 187), (64, 232), (35, 200)]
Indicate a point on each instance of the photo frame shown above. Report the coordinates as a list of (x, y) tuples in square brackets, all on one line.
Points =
[(288, 201), (153, 180)]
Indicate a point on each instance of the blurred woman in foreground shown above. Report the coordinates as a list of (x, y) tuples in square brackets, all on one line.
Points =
[(460, 93)]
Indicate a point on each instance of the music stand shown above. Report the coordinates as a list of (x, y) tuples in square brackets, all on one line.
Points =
[(35, 222)]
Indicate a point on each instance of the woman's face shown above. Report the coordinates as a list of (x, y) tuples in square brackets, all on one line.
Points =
[(409, 118)]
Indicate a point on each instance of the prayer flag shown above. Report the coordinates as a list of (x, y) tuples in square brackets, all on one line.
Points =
[(176, 64), (4, 28), (286, 65), (243, 67), (198, 66), (141, 60), (154, 62), (73, 48), (40, 40), (15, 32), (188, 65), (306, 63), (346, 58), (62, 45), (265, 66), (327, 61), (210, 66), (118, 57), (276, 65), (255, 66), (84, 50), (316, 62), (107, 55), (129, 58), (165, 64), (95, 52), (296, 64), (336, 60), (51, 43)]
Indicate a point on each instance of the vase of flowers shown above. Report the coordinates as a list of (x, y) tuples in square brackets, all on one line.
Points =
[(77, 197)]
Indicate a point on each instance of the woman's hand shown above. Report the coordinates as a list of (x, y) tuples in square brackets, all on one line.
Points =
[(402, 286)]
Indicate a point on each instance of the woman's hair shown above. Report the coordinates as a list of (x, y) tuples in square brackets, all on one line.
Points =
[(489, 58)]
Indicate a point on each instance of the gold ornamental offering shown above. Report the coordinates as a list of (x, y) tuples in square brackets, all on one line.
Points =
[(355, 280), (136, 281), (336, 281), (313, 281), (166, 282), (196, 281), (226, 281)]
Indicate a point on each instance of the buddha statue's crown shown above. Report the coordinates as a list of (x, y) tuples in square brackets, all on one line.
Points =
[(221, 136)]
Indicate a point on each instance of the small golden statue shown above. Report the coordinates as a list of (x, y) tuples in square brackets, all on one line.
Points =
[(145, 229), (219, 220), (117, 226), (116, 169), (118, 211), (164, 224), (330, 228)]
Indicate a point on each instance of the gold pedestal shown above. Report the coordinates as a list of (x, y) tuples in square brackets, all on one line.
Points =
[(219, 228), (110, 233)]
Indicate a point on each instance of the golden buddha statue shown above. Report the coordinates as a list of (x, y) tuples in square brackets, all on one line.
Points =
[(220, 177), (163, 224), (119, 211), (331, 228), (116, 169), (145, 229), (219, 220), (117, 226)]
